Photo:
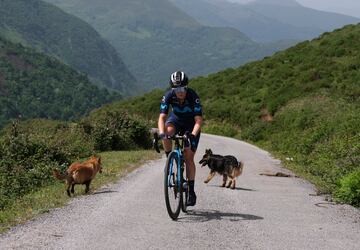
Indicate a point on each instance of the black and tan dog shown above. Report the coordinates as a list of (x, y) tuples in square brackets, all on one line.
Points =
[(227, 166)]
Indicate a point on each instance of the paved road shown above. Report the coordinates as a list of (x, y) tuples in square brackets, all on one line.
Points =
[(262, 213)]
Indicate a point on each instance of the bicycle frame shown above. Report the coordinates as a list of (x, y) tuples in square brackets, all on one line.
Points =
[(178, 149)]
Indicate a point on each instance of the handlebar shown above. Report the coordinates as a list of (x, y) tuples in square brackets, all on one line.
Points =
[(173, 137)]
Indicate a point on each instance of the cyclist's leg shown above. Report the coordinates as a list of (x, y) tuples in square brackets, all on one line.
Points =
[(171, 128), (189, 159), (190, 164), (191, 171)]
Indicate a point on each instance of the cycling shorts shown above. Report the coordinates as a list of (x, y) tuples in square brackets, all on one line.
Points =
[(182, 126)]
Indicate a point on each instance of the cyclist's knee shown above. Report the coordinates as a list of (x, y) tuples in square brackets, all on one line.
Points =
[(170, 129)]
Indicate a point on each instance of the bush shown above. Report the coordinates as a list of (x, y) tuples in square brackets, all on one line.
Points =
[(64, 140), (349, 190), (116, 130), (24, 165)]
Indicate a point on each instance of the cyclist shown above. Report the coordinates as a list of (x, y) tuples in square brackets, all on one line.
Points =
[(186, 119)]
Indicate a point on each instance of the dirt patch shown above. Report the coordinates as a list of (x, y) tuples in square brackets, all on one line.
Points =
[(18, 62), (266, 116)]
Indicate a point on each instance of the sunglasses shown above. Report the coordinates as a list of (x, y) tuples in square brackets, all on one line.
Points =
[(180, 89)]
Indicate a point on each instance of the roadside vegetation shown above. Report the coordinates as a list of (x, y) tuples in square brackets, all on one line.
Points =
[(40, 200), (302, 104), (31, 149)]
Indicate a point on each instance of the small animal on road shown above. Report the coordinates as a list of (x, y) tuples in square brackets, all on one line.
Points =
[(227, 166), (80, 173)]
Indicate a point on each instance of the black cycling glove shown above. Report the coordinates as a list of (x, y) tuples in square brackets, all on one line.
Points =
[(192, 140), (162, 136)]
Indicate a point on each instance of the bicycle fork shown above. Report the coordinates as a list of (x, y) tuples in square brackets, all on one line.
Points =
[(176, 179)]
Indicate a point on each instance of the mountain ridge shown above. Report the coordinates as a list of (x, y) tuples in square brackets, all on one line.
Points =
[(294, 15), (153, 44), (36, 85), (49, 29), (265, 21)]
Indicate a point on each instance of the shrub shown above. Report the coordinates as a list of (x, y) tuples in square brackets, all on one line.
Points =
[(349, 190), (24, 165), (116, 130)]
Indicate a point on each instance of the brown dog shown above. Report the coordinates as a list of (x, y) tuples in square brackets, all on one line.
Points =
[(80, 173), (227, 166)]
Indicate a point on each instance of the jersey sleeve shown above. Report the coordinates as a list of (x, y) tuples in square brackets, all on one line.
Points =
[(165, 102), (197, 105)]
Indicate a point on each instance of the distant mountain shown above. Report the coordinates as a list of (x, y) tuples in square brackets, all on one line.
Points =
[(156, 38), (257, 26), (265, 20), (290, 12), (34, 85), (288, 3), (51, 30)]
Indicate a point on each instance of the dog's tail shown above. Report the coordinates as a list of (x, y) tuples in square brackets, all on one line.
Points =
[(58, 175), (240, 166)]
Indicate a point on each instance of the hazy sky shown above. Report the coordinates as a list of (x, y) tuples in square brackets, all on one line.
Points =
[(348, 7)]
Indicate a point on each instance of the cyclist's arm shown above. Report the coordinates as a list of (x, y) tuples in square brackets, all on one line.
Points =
[(164, 109), (198, 124), (161, 123)]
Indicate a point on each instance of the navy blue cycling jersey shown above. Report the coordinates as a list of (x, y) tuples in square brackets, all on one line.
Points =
[(186, 111)]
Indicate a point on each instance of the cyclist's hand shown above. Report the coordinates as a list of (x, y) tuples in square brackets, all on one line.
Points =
[(191, 139), (155, 142), (162, 136)]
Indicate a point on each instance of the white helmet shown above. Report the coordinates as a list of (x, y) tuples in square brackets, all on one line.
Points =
[(178, 79)]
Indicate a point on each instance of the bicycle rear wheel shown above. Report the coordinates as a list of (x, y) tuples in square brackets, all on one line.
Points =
[(184, 190), (185, 195), (172, 187)]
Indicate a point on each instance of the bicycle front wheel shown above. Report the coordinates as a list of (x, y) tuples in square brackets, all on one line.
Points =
[(184, 190), (172, 188)]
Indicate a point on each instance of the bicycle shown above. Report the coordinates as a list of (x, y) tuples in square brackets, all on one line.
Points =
[(175, 185)]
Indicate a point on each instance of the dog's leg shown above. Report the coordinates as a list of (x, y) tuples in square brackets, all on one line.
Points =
[(233, 183), (211, 175), (230, 181), (87, 186), (73, 188), (68, 188), (224, 180)]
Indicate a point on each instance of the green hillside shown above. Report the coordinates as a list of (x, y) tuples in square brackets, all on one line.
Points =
[(303, 103), (35, 85), (156, 38), (38, 24)]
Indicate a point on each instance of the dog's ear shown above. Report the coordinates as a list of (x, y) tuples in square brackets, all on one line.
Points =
[(210, 152)]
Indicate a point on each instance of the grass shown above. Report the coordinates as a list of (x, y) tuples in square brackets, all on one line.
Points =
[(115, 165)]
